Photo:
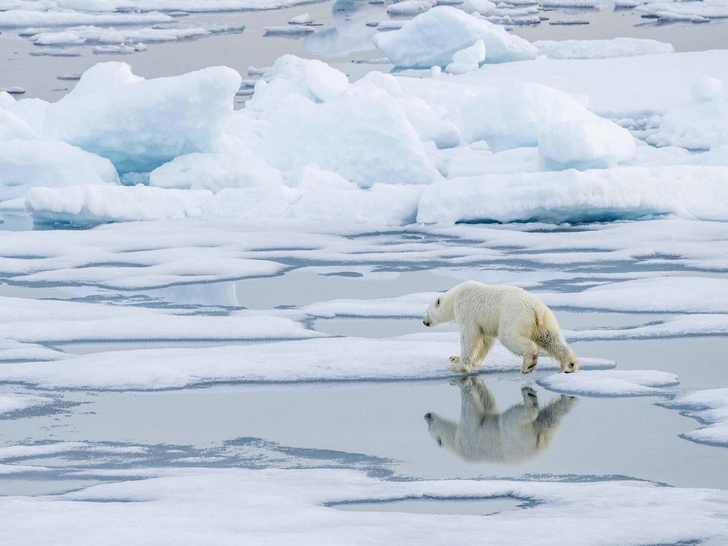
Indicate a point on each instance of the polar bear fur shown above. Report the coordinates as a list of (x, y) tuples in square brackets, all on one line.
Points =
[(484, 313), (518, 434)]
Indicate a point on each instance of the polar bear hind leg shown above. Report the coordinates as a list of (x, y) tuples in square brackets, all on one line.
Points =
[(522, 346)]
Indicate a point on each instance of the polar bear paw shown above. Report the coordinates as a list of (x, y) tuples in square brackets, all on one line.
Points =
[(529, 364), (457, 367)]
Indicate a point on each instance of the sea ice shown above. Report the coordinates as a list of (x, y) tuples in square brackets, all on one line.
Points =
[(140, 125), (514, 117), (213, 172), (410, 7), (20, 18), (699, 124), (94, 35), (377, 144), (710, 407), (483, 7), (433, 37), (16, 402), (601, 49), (468, 59), (202, 506), (291, 75), (303, 19), (611, 382), (592, 143), (324, 359), (680, 294), (574, 196), (49, 321), (696, 12), (25, 164)]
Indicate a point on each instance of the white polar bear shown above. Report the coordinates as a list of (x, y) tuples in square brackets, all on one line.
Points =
[(521, 322), (484, 434)]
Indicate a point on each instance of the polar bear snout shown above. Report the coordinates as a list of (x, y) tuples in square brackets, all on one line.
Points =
[(428, 417), (427, 322)]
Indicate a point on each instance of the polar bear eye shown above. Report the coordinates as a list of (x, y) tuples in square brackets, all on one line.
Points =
[(437, 303), (439, 441)]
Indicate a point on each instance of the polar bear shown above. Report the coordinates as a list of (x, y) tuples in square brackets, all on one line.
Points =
[(521, 322), (484, 434)]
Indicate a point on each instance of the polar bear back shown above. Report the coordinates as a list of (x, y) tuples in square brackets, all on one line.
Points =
[(497, 308)]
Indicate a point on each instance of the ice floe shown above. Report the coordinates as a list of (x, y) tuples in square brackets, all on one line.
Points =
[(601, 49), (683, 294), (710, 407), (326, 359), (17, 402), (224, 504), (611, 382), (432, 38), (694, 12), (51, 321), (574, 196)]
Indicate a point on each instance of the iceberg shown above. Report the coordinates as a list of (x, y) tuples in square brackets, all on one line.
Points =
[(700, 124), (592, 143), (513, 117), (141, 124), (433, 37), (376, 144), (26, 164)]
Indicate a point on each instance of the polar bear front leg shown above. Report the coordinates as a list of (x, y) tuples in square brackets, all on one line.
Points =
[(469, 344)]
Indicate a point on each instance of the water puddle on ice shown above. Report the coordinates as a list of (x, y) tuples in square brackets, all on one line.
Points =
[(464, 507)]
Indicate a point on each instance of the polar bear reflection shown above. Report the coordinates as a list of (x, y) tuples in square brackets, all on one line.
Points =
[(484, 434)]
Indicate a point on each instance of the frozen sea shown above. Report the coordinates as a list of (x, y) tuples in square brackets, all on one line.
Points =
[(211, 294)]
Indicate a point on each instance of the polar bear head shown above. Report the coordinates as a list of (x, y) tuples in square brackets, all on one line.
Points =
[(439, 311), (443, 431)]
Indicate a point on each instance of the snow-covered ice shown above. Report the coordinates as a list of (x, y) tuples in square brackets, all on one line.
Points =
[(326, 359), (16, 402), (710, 407), (601, 49), (223, 505), (611, 382), (410, 7)]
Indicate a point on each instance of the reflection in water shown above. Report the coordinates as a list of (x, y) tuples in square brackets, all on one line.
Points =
[(351, 34), (485, 434)]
